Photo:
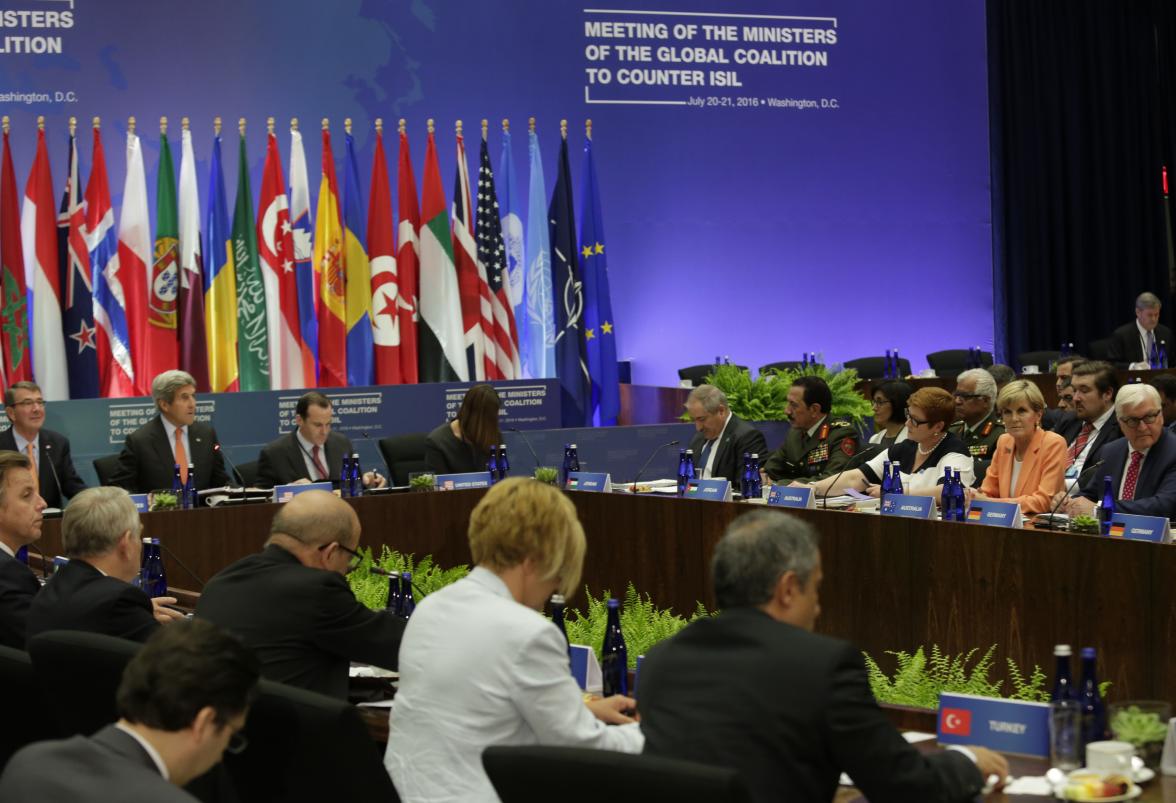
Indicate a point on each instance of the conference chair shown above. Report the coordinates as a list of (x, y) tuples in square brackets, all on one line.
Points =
[(784, 365), (105, 467), (951, 362), (26, 716), (305, 747), (79, 675), (697, 373), (247, 473), (540, 774), (404, 454), (1042, 359), (875, 367), (1100, 349)]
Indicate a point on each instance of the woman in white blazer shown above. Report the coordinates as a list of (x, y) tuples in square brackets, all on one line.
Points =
[(480, 666)]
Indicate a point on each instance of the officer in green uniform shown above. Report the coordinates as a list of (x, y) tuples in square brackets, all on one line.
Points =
[(817, 445), (977, 423)]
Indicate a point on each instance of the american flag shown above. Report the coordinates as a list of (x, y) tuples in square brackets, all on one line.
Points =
[(492, 255)]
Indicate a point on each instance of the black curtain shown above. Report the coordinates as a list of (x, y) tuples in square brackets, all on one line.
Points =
[(1083, 119)]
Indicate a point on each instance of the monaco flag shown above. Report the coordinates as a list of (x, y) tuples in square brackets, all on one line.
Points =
[(382, 256), (39, 236), (276, 249)]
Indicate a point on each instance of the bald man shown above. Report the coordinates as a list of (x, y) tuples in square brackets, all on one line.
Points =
[(291, 602)]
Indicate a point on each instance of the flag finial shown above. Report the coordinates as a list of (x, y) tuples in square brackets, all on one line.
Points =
[(269, 125), (485, 127), (402, 125), (131, 125), (241, 126), (162, 125), (184, 123), (293, 123), (347, 125), (40, 122), (97, 123), (4, 123), (563, 129), (531, 124), (216, 126), (458, 128), (380, 126), (588, 128), (429, 123), (506, 125), (326, 124), (73, 125)]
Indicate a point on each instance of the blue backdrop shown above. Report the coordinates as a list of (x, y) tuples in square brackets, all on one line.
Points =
[(835, 202)]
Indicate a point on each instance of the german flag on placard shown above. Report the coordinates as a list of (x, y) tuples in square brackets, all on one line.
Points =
[(975, 513), (1117, 530)]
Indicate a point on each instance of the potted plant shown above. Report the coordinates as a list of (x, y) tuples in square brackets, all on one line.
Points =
[(1144, 724), (1085, 524), (547, 474), (422, 482), (164, 500)]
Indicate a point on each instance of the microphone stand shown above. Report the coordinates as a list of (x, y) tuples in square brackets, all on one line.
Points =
[(656, 452), (527, 443)]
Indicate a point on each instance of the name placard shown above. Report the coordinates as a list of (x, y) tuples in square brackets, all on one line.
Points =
[(458, 482), (713, 490), (141, 503), (1141, 528), (998, 514), (912, 507), (284, 493), (1007, 726), (785, 496), (588, 481), (585, 668)]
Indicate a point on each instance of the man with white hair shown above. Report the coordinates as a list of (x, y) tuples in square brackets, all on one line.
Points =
[(1141, 465), (93, 592), (173, 438), (1133, 342), (977, 423)]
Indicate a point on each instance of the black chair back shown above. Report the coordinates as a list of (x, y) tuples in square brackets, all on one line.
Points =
[(697, 373), (27, 718), (1042, 359), (540, 774), (306, 747), (105, 467), (784, 365), (247, 474), (1100, 349), (82, 670), (951, 362), (875, 367), (404, 454)]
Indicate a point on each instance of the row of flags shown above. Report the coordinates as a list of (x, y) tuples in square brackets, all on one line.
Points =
[(287, 299)]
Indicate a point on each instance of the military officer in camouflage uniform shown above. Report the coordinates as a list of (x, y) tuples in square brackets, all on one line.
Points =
[(977, 423), (817, 445)]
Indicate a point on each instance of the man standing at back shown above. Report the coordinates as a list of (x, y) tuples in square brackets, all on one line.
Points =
[(54, 475), (1133, 342), (20, 525), (173, 438), (722, 437), (793, 709), (291, 602)]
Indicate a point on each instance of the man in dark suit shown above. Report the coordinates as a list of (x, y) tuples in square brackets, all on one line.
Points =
[(817, 444), (174, 437), (722, 437), (1133, 342), (55, 476), (794, 709), (93, 592), (20, 525), (1092, 424), (291, 602), (1141, 465), (182, 702), (312, 452)]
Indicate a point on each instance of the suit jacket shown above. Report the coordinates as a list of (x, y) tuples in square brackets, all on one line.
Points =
[(110, 765), (737, 438), (52, 456), (794, 711), (1071, 425), (1125, 346), (1043, 472), (79, 597), (18, 587), (1155, 490), (281, 461), (304, 624), (826, 453), (147, 463), (446, 454)]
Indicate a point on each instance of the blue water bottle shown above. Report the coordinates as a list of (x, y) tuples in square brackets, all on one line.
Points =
[(897, 366), (755, 485), (567, 459), (959, 498), (1094, 716), (345, 477), (492, 464), (393, 604), (407, 603), (745, 477), (947, 497), (190, 496), (690, 465), (614, 656), (1063, 688), (885, 487), (573, 458), (558, 605), (1106, 510), (1163, 354), (177, 484), (503, 462), (887, 370), (356, 477), (681, 472)]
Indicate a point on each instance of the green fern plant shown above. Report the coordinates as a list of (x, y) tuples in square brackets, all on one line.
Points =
[(919, 679), (766, 397), (372, 589)]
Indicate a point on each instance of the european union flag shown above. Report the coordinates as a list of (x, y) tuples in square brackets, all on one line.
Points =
[(599, 326), (571, 360)]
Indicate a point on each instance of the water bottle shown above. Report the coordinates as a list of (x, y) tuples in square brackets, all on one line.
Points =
[(345, 477), (1063, 685), (757, 483), (574, 459), (614, 657), (887, 485), (177, 484), (947, 497), (1163, 354), (745, 477), (887, 371), (959, 498), (356, 477), (1094, 716), (22, 554), (58, 562), (803, 360), (1065, 350), (567, 461), (681, 472), (1106, 510), (393, 604), (690, 465), (492, 464), (558, 604), (503, 462), (896, 478), (190, 496), (897, 366), (407, 603)]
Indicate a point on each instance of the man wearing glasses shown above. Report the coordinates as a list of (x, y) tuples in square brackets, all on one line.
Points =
[(1141, 464), (54, 474), (977, 423), (291, 602)]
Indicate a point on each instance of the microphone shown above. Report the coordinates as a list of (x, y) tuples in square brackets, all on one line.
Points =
[(527, 443), (48, 447), (1066, 491), (825, 496), (216, 447), (375, 473), (656, 452), (181, 564)]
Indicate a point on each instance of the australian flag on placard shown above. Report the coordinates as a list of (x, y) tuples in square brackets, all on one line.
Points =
[(599, 326), (571, 359)]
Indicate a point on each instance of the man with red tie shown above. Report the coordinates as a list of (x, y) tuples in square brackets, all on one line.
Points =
[(312, 452), (1092, 425), (1141, 465), (173, 438)]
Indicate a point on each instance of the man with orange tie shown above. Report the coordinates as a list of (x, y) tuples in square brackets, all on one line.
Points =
[(54, 475), (174, 437)]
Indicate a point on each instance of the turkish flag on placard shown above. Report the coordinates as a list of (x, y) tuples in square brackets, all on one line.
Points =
[(956, 721)]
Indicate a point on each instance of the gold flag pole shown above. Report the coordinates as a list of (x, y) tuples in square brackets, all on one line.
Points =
[(563, 129), (380, 126), (458, 128), (269, 126), (73, 126), (429, 124), (163, 126), (4, 123), (241, 126), (347, 126), (588, 128), (326, 124), (485, 128), (293, 123), (131, 126), (505, 125), (41, 122), (531, 125), (402, 125), (216, 126), (184, 124)]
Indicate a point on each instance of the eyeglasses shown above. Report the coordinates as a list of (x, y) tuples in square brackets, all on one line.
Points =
[(1133, 423), (237, 744), (879, 402), (915, 421), (965, 396), (29, 404), (355, 559)]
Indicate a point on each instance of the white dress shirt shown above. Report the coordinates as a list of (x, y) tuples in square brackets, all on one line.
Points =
[(307, 458), (22, 446), (710, 457), (478, 669), (1080, 461)]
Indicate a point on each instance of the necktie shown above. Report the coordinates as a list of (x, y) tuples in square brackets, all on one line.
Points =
[(702, 458), (33, 464), (318, 463), (1132, 476), (1079, 443), (181, 454), (1149, 345)]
